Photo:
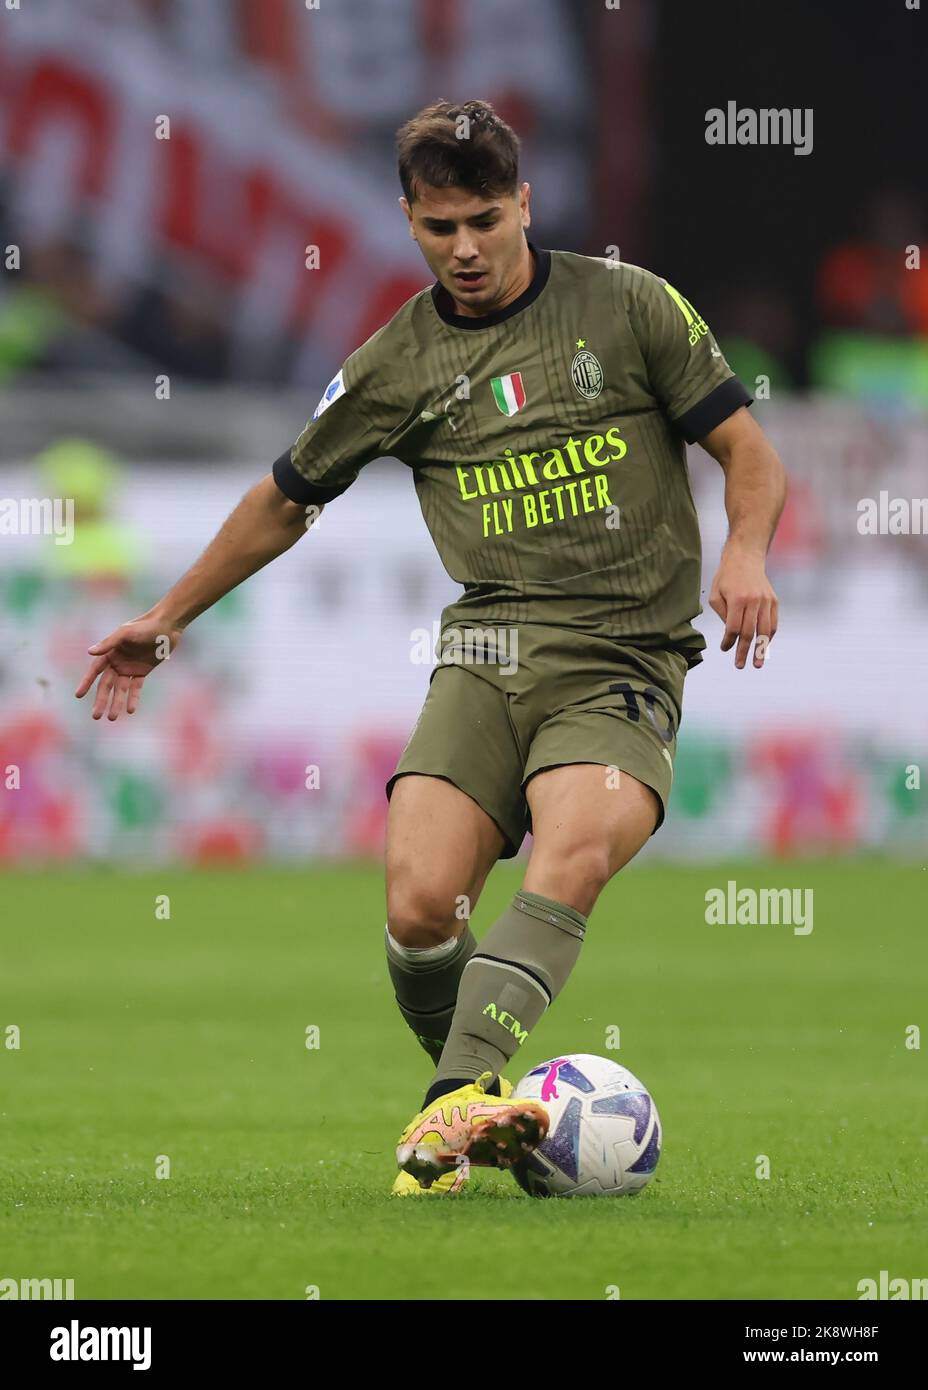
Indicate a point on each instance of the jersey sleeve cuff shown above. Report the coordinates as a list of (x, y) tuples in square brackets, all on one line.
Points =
[(299, 489), (697, 422)]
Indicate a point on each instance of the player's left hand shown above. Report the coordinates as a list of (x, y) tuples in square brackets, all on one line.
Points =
[(744, 599)]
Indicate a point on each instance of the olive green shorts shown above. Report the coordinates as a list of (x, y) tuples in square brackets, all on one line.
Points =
[(505, 702)]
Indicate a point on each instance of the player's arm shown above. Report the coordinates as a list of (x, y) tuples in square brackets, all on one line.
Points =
[(346, 432), (707, 403), (755, 490), (263, 525)]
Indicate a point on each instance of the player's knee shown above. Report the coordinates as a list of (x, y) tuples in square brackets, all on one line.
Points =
[(589, 863), (575, 874), (419, 917)]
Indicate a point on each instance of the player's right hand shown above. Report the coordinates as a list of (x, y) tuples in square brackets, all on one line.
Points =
[(123, 660)]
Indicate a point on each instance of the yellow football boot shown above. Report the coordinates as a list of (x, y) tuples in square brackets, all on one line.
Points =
[(449, 1183), (466, 1127)]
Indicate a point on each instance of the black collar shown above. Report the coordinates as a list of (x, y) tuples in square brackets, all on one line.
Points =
[(444, 304)]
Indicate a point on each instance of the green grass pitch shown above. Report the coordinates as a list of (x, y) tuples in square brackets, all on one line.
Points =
[(187, 1038)]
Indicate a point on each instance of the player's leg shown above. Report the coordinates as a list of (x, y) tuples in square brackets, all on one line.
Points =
[(600, 725), (587, 824), (440, 846), (456, 806), (450, 827)]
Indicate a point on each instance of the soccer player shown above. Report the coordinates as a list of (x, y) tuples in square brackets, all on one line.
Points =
[(542, 401)]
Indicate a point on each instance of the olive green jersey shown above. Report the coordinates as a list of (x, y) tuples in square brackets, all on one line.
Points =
[(546, 444)]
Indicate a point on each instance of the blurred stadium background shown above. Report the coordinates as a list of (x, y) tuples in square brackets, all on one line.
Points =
[(136, 266)]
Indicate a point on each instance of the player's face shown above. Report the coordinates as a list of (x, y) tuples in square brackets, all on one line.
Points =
[(475, 247)]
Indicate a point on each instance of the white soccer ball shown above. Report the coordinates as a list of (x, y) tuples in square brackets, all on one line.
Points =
[(604, 1138)]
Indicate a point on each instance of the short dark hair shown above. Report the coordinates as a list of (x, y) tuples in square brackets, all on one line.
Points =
[(432, 150)]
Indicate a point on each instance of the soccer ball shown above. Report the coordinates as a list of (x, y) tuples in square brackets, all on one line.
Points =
[(605, 1134)]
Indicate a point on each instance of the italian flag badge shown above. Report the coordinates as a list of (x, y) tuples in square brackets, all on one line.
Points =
[(508, 392)]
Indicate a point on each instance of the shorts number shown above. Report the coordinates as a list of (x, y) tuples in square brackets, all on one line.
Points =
[(651, 705)]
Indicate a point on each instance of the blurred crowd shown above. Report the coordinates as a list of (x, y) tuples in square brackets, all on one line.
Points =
[(187, 252), (870, 311), (201, 294)]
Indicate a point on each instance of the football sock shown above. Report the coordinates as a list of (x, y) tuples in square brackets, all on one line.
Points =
[(426, 985), (520, 966)]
